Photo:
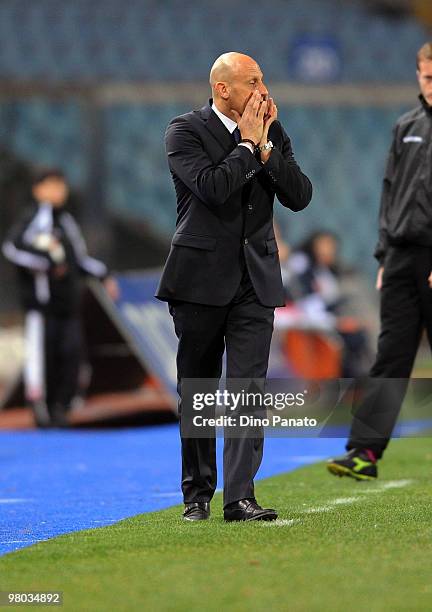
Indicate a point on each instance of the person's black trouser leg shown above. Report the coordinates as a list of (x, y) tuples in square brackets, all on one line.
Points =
[(70, 354), (202, 330), (248, 336), (63, 355), (406, 306)]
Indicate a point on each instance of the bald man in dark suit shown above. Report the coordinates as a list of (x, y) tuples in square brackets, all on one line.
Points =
[(222, 277)]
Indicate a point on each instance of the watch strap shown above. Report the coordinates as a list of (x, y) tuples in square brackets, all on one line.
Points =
[(249, 141)]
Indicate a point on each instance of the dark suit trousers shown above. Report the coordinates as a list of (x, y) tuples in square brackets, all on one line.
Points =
[(245, 327), (406, 309)]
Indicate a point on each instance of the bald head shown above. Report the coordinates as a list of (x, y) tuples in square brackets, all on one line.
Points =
[(230, 66), (233, 79)]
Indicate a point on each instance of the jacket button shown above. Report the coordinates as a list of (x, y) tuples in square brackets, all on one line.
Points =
[(246, 241), (250, 207)]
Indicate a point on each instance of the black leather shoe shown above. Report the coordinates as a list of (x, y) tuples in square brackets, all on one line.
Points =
[(196, 511), (248, 510)]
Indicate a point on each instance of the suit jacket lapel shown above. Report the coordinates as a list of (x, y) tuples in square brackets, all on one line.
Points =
[(217, 129)]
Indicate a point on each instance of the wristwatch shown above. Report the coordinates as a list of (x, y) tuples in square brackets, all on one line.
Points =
[(265, 147)]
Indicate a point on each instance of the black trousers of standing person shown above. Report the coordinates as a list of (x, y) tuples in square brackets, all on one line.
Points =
[(406, 309), (63, 347), (245, 327), (53, 355)]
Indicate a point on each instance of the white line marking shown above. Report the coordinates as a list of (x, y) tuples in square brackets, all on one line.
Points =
[(395, 484), (13, 500), (280, 523), (341, 501), (384, 486), (21, 541), (318, 509), (329, 506)]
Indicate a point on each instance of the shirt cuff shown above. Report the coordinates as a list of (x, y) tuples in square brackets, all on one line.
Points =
[(247, 145)]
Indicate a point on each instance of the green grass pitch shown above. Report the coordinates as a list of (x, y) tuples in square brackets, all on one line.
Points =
[(338, 545)]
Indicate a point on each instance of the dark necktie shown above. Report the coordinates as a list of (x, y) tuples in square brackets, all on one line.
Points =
[(237, 135)]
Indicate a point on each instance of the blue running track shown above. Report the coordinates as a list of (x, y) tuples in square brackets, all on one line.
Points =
[(56, 482)]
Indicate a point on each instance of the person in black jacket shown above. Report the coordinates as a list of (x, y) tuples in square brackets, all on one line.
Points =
[(222, 278), (314, 280), (51, 257), (404, 252)]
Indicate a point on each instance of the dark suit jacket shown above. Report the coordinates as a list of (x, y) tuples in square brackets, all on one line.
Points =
[(225, 206)]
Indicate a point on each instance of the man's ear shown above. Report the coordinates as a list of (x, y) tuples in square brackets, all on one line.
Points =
[(222, 90)]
